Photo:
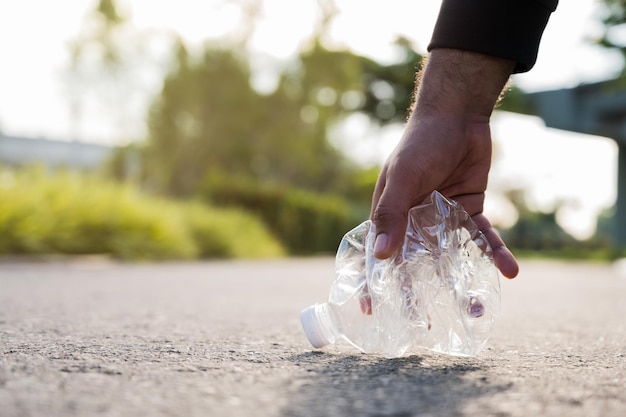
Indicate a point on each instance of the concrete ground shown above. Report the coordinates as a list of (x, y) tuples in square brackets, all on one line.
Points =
[(223, 339)]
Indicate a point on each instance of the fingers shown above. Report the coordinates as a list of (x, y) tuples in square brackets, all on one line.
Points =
[(389, 214), (502, 257), (365, 301), (505, 262)]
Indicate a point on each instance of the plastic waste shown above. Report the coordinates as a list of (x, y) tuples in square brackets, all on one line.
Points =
[(440, 293)]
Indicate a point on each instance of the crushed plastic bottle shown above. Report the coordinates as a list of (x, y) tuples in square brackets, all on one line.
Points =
[(441, 293)]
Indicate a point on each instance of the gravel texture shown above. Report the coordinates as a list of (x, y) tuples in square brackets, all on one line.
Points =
[(223, 339)]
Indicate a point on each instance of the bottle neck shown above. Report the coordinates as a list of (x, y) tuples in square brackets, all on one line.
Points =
[(323, 312)]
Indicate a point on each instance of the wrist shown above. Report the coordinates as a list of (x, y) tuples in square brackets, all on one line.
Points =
[(461, 83)]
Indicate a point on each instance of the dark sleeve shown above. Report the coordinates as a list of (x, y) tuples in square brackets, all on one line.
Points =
[(509, 29)]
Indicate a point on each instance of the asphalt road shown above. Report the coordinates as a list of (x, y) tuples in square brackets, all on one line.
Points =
[(223, 339)]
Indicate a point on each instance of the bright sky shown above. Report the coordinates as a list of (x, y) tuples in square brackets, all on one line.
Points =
[(34, 102)]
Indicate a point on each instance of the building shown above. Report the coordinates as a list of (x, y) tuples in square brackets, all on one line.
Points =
[(596, 109), (19, 151)]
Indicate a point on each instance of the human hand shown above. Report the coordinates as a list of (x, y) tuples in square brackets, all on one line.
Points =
[(446, 146)]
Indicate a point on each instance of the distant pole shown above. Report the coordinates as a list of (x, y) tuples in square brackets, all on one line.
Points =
[(620, 206)]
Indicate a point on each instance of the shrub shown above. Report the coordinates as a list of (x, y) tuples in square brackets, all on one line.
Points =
[(305, 222), (229, 233), (69, 213)]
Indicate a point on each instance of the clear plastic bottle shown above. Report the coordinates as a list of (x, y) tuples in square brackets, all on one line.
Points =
[(440, 293)]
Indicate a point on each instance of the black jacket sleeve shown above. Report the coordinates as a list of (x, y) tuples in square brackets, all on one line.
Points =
[(510, 29)]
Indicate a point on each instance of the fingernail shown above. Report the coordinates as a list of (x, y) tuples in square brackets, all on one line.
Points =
[(380, 244)]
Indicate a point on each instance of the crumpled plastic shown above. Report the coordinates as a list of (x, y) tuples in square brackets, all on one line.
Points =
[(440, 293)]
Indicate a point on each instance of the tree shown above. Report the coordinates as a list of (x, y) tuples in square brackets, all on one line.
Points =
[(97, 63), (383, 92), (535, 230), (111, 73), (209, 117), (612, 14), (197, 122)]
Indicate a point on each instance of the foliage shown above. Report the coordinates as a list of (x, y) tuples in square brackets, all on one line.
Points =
[(72, 214), (304, 222), (357, 83), (539, 231), (613, 17), (208, 116), (99, 38), (516, 100), (539, 234), (358, 188), (202, 118), (229, 233), (112, 72)]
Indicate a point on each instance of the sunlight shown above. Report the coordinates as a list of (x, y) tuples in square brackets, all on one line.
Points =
[(555, 166), (282, 28)]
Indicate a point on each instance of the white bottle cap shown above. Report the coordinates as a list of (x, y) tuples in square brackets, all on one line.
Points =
[(313, 327)]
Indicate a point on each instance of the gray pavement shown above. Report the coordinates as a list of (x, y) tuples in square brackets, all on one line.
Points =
[(223, 339)]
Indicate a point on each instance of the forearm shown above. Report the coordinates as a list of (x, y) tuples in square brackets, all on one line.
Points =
[(461, 83)]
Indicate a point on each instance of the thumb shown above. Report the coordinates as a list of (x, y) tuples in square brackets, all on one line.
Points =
[(389, 216)]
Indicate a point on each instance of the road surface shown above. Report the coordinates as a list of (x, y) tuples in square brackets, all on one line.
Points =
[(223, 339)]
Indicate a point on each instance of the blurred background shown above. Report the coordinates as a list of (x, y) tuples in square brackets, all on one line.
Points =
[(193, 129)]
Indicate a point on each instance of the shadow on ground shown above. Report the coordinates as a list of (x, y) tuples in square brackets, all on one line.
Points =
[(350, 385)]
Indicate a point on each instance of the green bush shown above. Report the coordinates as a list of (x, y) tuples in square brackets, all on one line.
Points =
[(305, 222), (68, 213), (229, 233)]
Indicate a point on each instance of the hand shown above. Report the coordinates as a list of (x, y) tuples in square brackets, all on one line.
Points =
[(446, 146)]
